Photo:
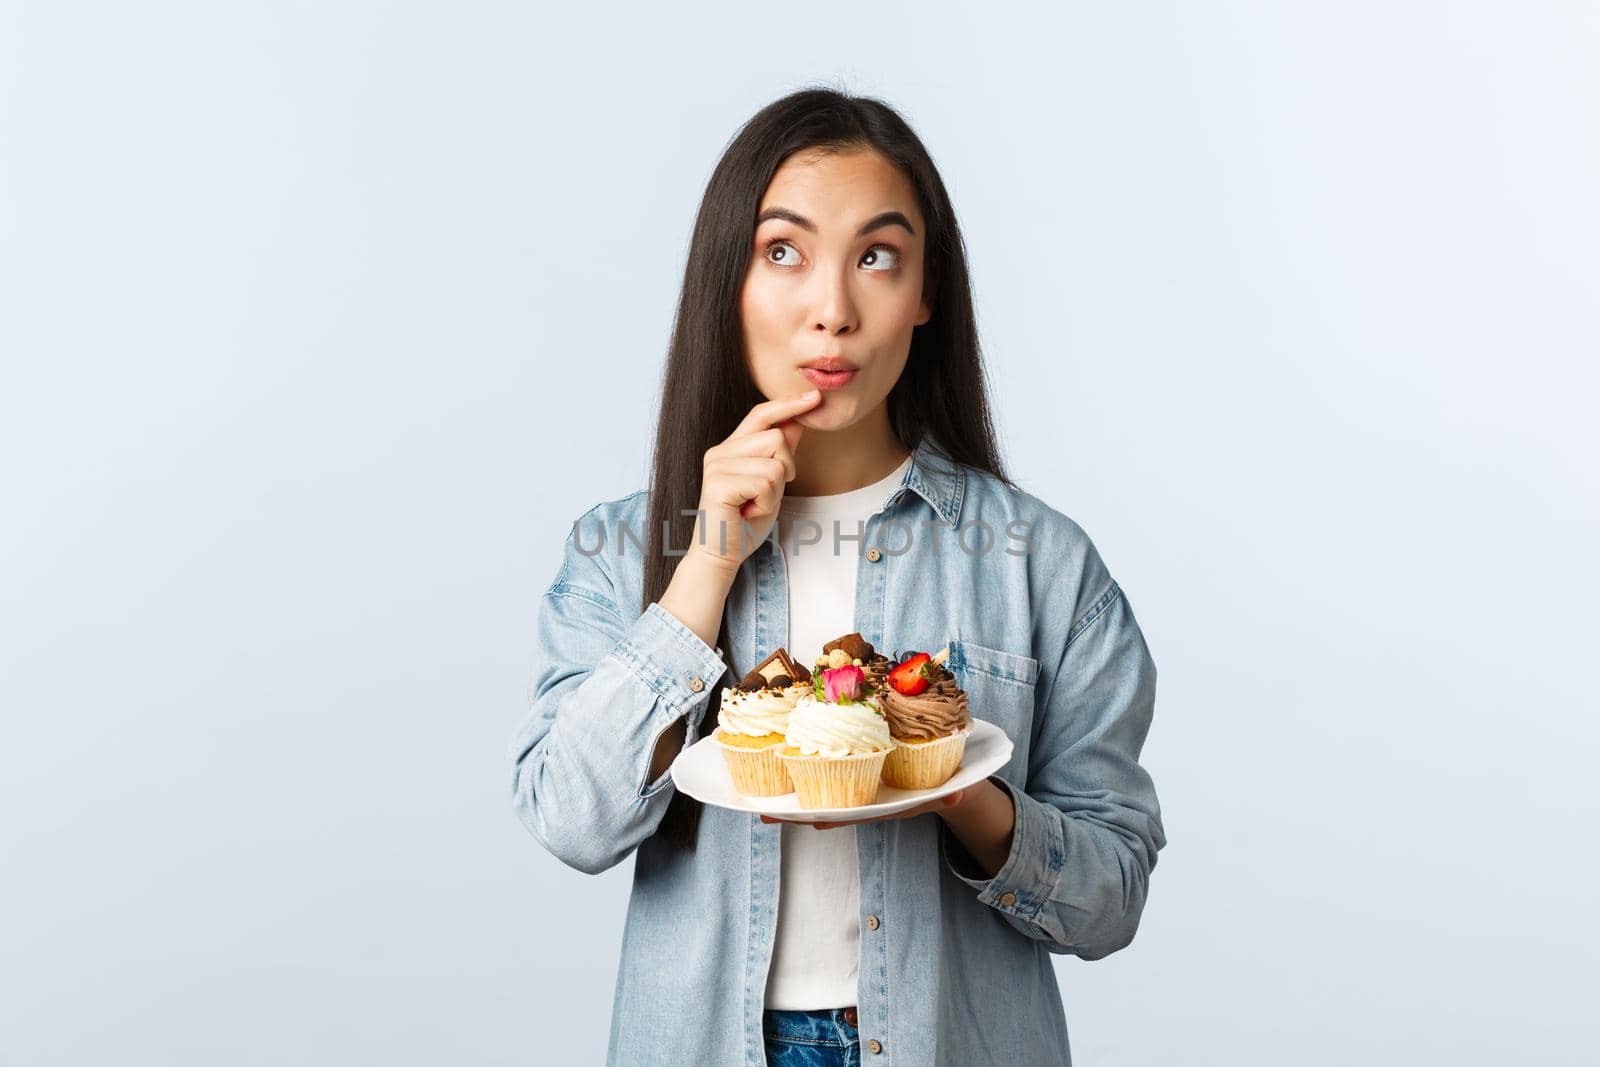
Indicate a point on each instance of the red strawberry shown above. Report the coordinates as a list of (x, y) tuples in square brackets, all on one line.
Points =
[(912, 676)]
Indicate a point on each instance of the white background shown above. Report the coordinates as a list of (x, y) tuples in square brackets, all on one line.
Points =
[(320, 324)]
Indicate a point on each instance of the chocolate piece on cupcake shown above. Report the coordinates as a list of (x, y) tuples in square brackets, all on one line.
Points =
[(854, 645), (777, 671), (858, 651)]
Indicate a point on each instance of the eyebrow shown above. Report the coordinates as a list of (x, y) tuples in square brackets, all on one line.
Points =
[(887, 218)]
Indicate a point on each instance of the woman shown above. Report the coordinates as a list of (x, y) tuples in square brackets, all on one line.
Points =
[(824, 372)]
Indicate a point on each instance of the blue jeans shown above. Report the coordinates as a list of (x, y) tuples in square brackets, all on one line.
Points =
[(822, 1038)]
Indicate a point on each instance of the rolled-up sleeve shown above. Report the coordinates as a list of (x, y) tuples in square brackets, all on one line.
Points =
[(602, 693), (1088, 824)]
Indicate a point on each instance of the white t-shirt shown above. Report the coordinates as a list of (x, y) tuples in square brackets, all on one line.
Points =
[(816, 950)]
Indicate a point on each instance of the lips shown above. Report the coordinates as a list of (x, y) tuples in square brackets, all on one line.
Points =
[(824, 380), (828, 363), (829, 372)]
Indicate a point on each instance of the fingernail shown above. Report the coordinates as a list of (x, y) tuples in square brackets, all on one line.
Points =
[(810, 394)]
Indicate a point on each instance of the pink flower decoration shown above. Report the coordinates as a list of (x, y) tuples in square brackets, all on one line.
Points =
[(843, 684)]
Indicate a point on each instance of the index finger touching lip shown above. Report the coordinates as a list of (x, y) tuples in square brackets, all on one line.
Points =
[(770, 413)]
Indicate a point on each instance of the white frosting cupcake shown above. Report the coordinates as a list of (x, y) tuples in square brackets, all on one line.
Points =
[(818, 728), (756, 713)]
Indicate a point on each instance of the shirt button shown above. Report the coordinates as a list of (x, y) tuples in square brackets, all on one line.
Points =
[(874, 555), (697, 684), (872, 922), (1008, 899), (874, 1045)]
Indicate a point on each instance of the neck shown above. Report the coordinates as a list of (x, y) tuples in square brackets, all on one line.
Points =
[(837, 461)]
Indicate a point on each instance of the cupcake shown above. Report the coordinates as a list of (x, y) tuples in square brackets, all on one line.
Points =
[(928, 718), (837, 739), (751, 721), (873, 665)]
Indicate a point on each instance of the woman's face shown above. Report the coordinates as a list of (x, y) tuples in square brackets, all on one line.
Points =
[(836, 272)]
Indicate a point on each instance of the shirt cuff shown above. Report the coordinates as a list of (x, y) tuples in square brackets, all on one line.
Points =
[(1027, 880), (673, 661)]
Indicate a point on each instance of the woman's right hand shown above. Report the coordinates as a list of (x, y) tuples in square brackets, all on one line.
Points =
[(743, 478)]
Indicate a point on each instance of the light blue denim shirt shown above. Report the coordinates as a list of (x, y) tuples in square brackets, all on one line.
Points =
[(956, 969)]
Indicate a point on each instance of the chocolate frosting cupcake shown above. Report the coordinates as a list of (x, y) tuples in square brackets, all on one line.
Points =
[(938, 711)]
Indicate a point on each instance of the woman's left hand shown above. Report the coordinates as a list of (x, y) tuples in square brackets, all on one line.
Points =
[(949, 800)]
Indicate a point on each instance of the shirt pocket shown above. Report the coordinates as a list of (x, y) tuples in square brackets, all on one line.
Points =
[(1000, 690)]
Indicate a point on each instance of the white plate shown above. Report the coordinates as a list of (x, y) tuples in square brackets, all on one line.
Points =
[(701, 772)]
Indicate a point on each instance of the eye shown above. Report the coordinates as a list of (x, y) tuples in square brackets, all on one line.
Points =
[(777, 243), (876, 253)]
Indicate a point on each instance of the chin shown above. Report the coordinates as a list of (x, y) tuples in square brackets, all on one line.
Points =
[(832, 414), (814, 420)]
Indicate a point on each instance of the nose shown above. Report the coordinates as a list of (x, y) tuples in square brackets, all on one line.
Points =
[(835, 311)]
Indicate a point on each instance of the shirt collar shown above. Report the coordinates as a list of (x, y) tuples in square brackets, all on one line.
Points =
[(935, 478)]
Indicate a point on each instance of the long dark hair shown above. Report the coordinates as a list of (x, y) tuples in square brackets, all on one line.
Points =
[(707, 389)]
